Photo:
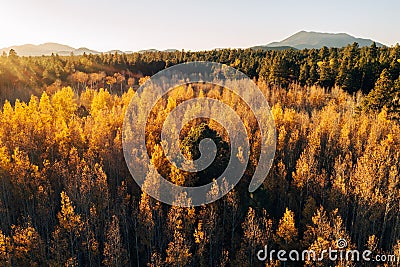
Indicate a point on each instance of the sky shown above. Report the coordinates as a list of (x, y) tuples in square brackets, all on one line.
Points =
[(131, 25)]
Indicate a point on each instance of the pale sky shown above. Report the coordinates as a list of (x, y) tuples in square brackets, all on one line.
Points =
[(192, 25)]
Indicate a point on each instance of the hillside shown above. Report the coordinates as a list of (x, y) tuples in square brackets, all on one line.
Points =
[(272, 48), (304, 39), (47, 49), (300, 40)]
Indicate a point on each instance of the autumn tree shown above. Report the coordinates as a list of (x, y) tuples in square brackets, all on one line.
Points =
[(287, 234), (114, 251), (66, 235), (256, 235), (28, 246)]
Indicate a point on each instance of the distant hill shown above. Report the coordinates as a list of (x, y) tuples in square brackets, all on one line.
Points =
[(171, 50), (78, 51), (148, 50), (304, 39), (268, 48), (116, 51), (155, 50), (300, 40), (49, 48), (38, 50)]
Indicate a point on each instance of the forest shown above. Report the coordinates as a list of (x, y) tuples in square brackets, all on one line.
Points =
[(68, 199)]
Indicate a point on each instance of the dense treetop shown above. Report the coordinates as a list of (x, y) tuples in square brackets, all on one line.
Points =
[(351, 68), (67, 198)]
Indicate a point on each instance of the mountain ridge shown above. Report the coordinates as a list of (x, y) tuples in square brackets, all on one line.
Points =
[(49, 48), (299, 40), (311, 39)]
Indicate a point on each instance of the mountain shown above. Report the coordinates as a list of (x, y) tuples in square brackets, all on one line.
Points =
[(300, 40), (37, 50), (304, 39), (171, 50), (78, 51), (148, 50), (63, 50), (155, 50), (49, 48), (275, 48)]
